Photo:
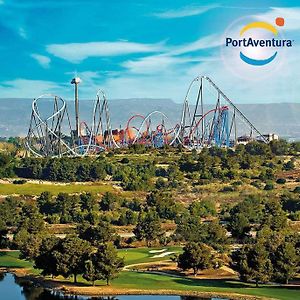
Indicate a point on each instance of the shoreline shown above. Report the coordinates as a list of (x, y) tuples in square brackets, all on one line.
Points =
[(71, 289)]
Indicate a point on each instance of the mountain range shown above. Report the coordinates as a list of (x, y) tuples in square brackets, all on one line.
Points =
[(280, 118)]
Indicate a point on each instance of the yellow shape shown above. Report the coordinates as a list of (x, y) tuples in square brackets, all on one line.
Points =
[(263, 25)]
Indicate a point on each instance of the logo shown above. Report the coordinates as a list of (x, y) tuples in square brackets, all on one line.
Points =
[(247, 40)]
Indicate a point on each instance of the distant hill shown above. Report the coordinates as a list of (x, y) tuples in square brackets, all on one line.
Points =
[(280, 118)]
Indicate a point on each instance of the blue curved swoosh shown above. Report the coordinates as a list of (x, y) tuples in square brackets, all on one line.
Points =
[(257, 62)]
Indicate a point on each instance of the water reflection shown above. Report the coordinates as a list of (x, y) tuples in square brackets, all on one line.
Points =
[(13, 288)]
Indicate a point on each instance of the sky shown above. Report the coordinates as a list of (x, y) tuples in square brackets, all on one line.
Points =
[(141, 49)]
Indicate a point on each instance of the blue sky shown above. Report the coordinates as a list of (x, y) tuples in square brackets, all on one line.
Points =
[(144, 49)]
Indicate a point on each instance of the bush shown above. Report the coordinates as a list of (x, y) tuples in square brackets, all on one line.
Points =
[(295, 216), (125, 160), (19, 181), (297, 189), (160, 183), (227, 189), (281, 181), (257, 184), (269, 186), (288, 166), (236, 183)]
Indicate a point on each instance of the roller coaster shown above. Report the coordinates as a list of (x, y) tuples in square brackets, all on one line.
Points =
[(209, 118)]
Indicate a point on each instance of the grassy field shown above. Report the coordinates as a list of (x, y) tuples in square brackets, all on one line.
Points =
[(10, 259), (142, 255), (37, 189), (147, 281)]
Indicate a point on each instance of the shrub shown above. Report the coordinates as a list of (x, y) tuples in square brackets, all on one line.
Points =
[(19, 181), (227, 189), (281, 181), (257, 184), (236, 183), (125, 160), (269, 186), (297, 189), (295, 216), (289, 166)]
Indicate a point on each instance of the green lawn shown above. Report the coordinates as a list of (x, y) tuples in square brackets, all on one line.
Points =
[(36, 189), (142, 255), (10, 259), (146, 281), (159, 282)]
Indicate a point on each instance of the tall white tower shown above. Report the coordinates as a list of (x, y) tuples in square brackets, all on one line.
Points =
[(76, 81)]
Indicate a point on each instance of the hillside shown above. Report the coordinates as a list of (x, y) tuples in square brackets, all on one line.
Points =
[(280, 118)]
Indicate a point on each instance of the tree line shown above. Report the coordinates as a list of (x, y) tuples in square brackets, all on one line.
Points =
[(210, 164)]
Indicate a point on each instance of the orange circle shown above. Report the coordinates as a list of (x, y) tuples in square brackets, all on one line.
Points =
[(279, 21)]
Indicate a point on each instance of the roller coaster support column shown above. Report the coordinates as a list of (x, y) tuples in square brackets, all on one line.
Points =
[(76, 81)]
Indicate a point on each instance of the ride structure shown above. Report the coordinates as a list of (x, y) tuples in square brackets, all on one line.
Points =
[(209, 118)]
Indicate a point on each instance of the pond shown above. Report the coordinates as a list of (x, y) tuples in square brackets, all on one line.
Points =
[(12, 288)]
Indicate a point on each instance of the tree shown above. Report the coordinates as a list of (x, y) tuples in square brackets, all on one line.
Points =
[(46, 260), (203, 208), (164, 204), (108, 201), (253, 263), (148, 227), (286, 262), (257, 148), (27, 243), (195, 256), (279, 147), (239, 225), (31, 219), (274, 216), (216, 236), (127, 217), (45, 203), (71, 256), (189, 228), (101, 233), (250, 210), (88, 202), (98, 171), (68, 207), (10, 211), (103, 264)]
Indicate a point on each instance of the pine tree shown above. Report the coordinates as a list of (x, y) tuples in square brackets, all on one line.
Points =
[(253, 263), (103, 264), (195, 256)]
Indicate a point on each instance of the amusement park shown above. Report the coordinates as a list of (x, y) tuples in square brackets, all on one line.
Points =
[(208, 118)]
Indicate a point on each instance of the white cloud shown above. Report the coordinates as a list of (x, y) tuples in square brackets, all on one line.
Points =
[(172, 58), (145, 78), (23, 33), (290, 14), (77, 52), (153, 64), (43, 60), (206, 42), (184, 12), (161, 63), (26, 88)]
